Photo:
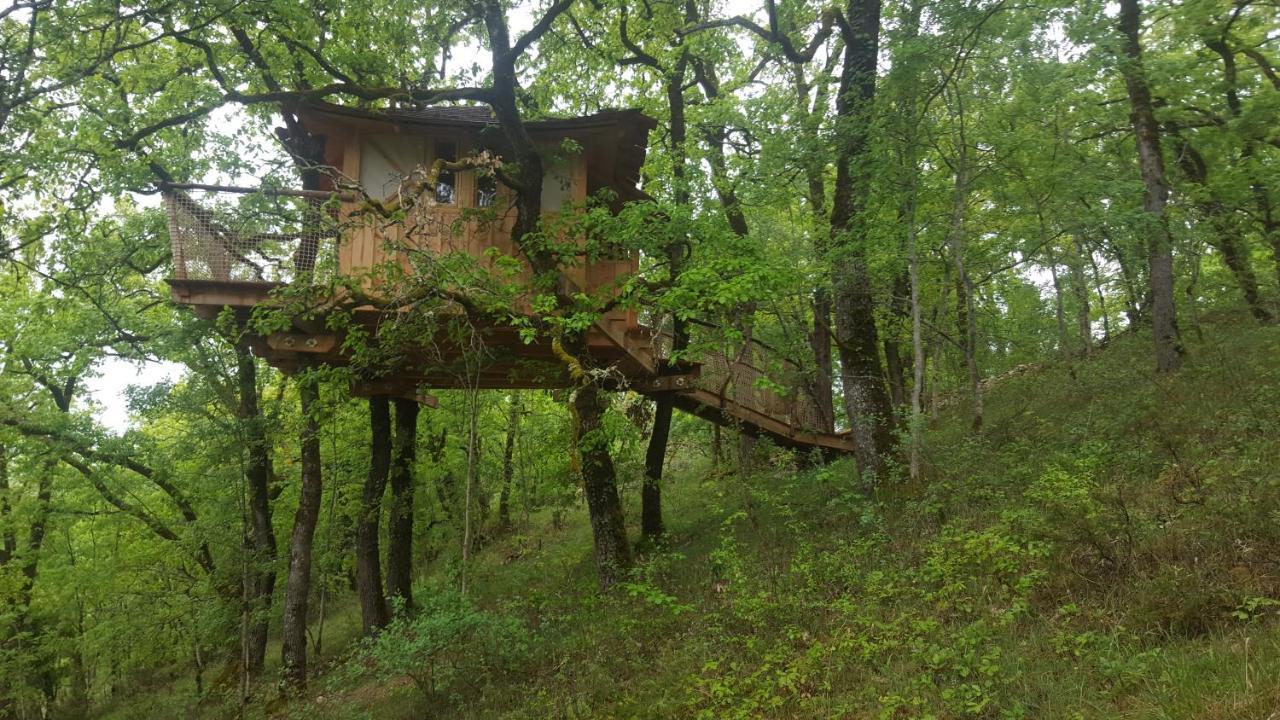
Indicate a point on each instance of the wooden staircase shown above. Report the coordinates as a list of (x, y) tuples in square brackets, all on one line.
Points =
[(751, 387)]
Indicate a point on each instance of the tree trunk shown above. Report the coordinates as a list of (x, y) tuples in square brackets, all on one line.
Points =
[(1133, 303), (509, 463), (820, 346), (857, 340), (814, 162), (917, 341), (910, 117), (1102, 297), (446, 485), (258, 472), (651, 525), (1235, 255), (1168, 346), (1235, 251), (897, 369), (964, 283), (1224, 235), (293, 649), (1080, 288), (613, 556), (1059, 308), (400, 517), (373, 604), (8, 536), (1271, 230), (605, 508)]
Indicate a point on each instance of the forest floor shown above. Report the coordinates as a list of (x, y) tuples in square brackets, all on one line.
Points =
[(1106, 548)]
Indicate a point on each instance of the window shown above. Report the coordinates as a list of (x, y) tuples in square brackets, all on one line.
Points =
[(486, 190), (386, 160), (447, 181), (557, 186), (557, 180)]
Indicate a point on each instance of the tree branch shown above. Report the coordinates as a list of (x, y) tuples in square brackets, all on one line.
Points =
[(539, 29)]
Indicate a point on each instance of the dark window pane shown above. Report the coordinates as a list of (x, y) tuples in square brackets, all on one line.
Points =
[(486, 190), (446, 183)]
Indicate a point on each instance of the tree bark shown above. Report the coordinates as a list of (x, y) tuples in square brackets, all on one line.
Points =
[(262, 537), (1059, 307), (1098, 289), (613, 556), (814, 163), (1235, 251), (1168, 346), (857, 340), (602, 490), (293, 649), (1271, 231), (965, 305), (895, 364), (508, 463), (1080, 288), (1224, 235), (373, 604), (8, 536), (400, 517), (651, 525), (917, 342)]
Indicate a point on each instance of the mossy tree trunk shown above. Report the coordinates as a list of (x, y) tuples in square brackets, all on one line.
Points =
[(293, 648), (400, 521), (373, 604), (262, 536), (599, 481)]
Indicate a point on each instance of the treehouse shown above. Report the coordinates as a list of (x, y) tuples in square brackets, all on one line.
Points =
[(402, 195)]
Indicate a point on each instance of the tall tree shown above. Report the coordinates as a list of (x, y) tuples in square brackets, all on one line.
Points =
[(866, 398), (401, 513), (258, 472), (373, 604), (293, 629), (1164, 321)]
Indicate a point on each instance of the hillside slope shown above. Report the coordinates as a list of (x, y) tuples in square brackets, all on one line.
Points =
[(1107, 548)]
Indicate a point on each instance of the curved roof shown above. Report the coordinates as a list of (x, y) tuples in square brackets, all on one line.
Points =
[(482, 115), (618, 156)]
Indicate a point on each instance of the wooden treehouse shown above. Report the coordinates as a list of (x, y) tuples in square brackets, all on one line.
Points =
[(235, 249)]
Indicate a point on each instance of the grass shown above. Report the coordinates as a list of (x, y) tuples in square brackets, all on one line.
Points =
[(1105, 549)]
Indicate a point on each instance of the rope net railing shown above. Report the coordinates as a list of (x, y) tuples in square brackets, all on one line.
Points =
[(752, 375), (231, 234)]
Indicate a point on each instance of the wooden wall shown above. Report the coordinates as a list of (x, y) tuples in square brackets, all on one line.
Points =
[(371, 241)]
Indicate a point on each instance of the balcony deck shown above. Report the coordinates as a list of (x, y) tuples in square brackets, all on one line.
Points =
[(238, 253)]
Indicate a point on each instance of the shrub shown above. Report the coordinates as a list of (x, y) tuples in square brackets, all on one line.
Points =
[(447, 649)]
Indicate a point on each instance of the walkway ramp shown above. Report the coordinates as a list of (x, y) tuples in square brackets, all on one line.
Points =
[(749, 386)]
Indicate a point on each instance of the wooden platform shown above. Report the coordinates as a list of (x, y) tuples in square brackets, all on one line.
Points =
[(719, 390), (504, 360)]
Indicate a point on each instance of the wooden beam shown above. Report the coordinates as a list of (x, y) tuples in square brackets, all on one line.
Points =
[(301, 342), (665, 383), (394, 388)]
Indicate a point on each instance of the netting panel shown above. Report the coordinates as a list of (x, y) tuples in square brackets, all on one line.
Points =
[(228, 235)]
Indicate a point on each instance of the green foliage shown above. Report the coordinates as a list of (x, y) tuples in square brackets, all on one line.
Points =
[(1114, 529), (447, 648)]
